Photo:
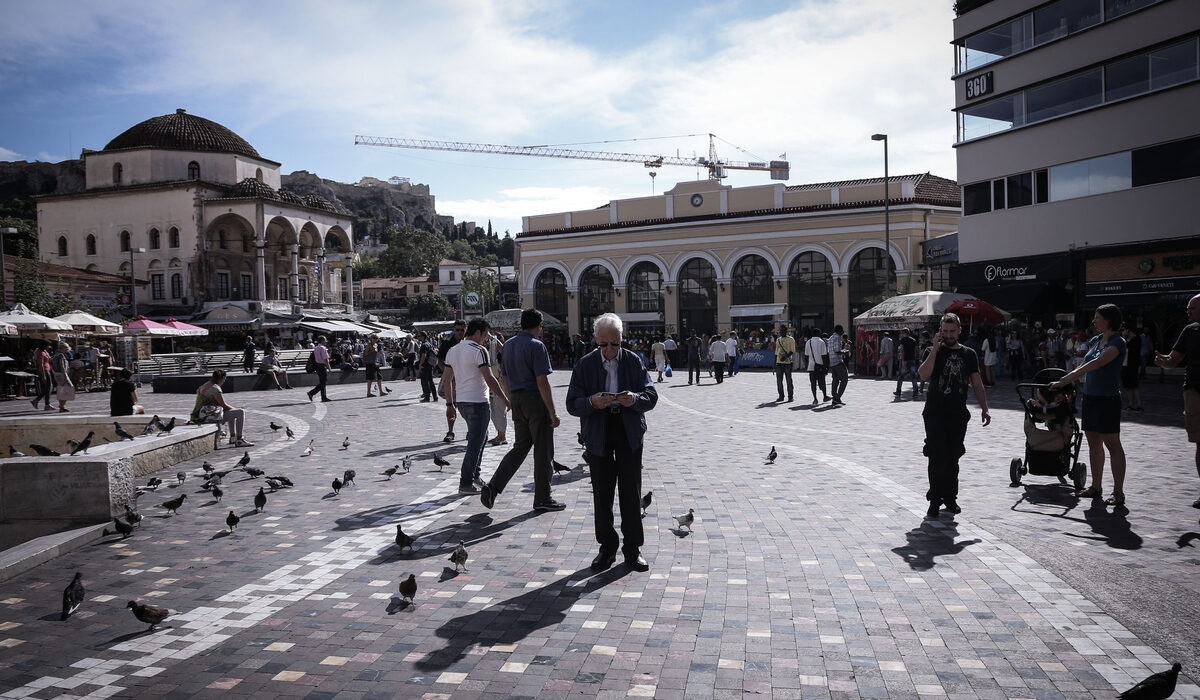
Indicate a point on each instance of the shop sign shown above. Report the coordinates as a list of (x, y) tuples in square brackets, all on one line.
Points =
[(980, 85), (1006, 273), (942, 250), (1157, 285)]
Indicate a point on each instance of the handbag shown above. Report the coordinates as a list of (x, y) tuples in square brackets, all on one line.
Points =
[(667, 369), (212, 413), (65, 392)]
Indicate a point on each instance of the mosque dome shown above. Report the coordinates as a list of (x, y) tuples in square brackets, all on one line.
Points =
[(251, 187), (290, 197), (316, 201), (182, 132)]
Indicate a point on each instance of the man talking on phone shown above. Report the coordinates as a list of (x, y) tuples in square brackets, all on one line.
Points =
[(948, 368), (610, 392)]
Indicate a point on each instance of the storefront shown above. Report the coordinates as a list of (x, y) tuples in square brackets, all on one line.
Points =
[(1037, 290)]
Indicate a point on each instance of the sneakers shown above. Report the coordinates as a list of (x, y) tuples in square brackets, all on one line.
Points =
[(243, 443), (468, 490), (550, 505), (477, 483), (449, 436), (487, 496)]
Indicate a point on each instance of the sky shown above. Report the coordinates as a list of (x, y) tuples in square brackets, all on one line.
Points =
[(812, 79)]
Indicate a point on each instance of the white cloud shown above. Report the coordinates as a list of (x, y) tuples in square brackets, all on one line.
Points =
[(6, 154)]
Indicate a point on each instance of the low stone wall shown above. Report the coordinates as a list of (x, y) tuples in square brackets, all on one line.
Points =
[(237, 381)]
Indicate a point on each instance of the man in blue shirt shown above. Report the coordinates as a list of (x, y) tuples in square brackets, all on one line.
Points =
[(525, 373)]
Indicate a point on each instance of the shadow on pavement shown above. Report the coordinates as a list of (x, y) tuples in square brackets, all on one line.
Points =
[(1113, 529), (929, 541), (476, 529)]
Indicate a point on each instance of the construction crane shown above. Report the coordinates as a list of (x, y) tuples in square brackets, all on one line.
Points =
[(716, 167)]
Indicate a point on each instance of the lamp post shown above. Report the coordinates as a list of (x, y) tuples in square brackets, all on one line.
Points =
[(3, 282), (887, 218), (133, 280)]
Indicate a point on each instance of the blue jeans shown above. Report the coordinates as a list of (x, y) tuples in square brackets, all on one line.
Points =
[(906, 369), (476, 416)]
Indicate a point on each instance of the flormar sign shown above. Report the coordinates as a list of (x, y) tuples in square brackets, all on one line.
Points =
[(993, 273)]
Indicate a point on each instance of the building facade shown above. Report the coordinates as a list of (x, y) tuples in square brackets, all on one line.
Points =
[(1077, 147), (191, 212), (705, 256)]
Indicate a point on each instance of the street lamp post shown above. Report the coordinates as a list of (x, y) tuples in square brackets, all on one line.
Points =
[(133, 280), (3, 282), (887, 218)]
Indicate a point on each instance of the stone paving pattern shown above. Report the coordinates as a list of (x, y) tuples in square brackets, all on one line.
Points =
[(815, 577)]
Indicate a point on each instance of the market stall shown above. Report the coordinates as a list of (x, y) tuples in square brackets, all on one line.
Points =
[(915, 312)]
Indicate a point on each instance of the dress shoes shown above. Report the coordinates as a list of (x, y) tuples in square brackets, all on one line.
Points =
[(934, 510), (604, 560), (952, 506), (637, 562)]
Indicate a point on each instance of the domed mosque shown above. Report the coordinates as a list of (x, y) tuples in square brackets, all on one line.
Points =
[(200, 218)]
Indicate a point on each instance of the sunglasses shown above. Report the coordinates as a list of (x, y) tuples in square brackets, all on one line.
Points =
[(608, 345)]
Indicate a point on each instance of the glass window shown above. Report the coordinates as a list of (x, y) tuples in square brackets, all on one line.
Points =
[(118, 173), (1166, 162), (1064, 17), (304, 289), (697, 297), (752, 281), (996, 43), (248, 286), (1020, 190), (124, 241), (222, 285), (998, 194), (62, 246), (155, 239), (1064, 96), (1126, 78), (1116, 8), (595, 295), (451, 275), (91, 244), (992, 117), (156, 286), (977, 198), (1173, 65), (222, 241), (550, 293), (939, 278), (810, 291), (1092, 176), (1041, 193), (193, 170), (868, 280), (645, 288), (176, 285), (173, 237)]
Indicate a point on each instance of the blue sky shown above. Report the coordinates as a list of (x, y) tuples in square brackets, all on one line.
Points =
[(298, 80)]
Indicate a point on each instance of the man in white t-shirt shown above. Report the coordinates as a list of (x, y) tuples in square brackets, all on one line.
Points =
[(816, 350), (468, 377), (731, 351), (716, 355), (658, 352)]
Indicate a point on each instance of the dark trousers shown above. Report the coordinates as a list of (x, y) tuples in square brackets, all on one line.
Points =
[(428, 390), (322, 377), (43, 388), (531, 422), (718, 369), (783, 372), (841, 377), (619, 471), (693, 367), (945, 435), (817, 378)]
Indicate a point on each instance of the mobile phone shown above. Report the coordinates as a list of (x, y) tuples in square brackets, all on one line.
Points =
[(607, 395)]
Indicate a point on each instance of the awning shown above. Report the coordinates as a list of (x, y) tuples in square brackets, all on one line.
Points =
[(321, 326), (641, 317), (743, 310)]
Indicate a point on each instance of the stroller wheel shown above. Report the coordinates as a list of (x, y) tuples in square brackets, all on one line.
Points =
[(1079, 475), (1014, 471)]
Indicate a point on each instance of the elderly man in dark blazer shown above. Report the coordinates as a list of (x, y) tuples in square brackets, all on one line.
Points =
[(610, 393)]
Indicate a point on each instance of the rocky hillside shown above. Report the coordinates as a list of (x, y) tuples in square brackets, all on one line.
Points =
[(21, 179)]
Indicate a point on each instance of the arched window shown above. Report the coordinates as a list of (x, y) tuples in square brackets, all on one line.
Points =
[(124, 241), (645, 288), (550, 293), (176, 285), (258, 174), (245, 243), (697, 297), (117, 173), (868, 280), (155, 239), (810, 291), (62, 246), (222, 242), (173, 237), (595, 295), (91, 244), (752, 281), (193, 170)]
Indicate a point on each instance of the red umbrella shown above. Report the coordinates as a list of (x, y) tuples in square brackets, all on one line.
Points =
[(973, 310), (185, 328)]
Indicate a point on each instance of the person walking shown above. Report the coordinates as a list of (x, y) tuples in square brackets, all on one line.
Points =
[(371, 364), (886, 350), (426, 361), (525, 374), (42, 372), (321, 357), (693, 356), (1131, 370), (837, 365), (211, 394), (1187, 348), (494, 345), (455, 337), (610, 393), (906, 363), (468, 381), (659, 352), (988, 348), (717, 355), (815, 352), (949, 368), (733, 352), (785, 357), (60, 368), (1101, 373), (1016, 356)]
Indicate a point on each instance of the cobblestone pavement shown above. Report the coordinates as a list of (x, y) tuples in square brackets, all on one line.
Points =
[(815, 577)]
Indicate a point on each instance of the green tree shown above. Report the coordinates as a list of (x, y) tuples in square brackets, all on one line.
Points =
[(429, 307), (30, 287), (410, 252)]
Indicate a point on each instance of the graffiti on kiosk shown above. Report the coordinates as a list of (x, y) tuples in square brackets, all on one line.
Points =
[(899, 307), (995, 272)]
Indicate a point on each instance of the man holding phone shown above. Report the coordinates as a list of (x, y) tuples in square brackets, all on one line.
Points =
[(949, 368)]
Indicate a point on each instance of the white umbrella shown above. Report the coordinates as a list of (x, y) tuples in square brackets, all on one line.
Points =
[(393, 334), (25, 320), (908, 310), (83, 321)]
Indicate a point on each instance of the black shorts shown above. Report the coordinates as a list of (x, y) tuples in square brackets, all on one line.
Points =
[(372, 372), (1101, 414)]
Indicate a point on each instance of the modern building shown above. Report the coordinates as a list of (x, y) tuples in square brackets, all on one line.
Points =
[(190, 209), (1078, 153), (705, 256)]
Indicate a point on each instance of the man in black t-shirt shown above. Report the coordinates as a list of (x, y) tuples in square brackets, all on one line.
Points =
[(949, 369), (122, 399), (1187, 347)]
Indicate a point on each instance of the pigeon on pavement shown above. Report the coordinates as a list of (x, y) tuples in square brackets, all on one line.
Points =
[(282, 480), (154, 483), (406, 463), (686, 520), (181, 476), (559, 466), (403, 540), (408, 588), (134, 517), (150, 614), (154, 423), (232, 521), (44, 451), (646, 501), (122, 434), (244, 460), (173, 504), (772, 455), (260, 501), (123, 528), (217, 492), (290, 434), (254, 472), (459, 556), (1158, 686), (337, 485), (274, 427), (308, 450), (73, 596), (346, 443), (274, 483), (437, 459), (166, 429), (207, 467), (14, 452), (391, 471), (348, 477)]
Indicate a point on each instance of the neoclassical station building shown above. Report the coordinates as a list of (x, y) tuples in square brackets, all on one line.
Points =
[(198, 218), (705, 256)]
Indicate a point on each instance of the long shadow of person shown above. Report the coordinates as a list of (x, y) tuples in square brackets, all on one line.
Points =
[(929, 541), (1112, 528), (477, 528), (512, 620)]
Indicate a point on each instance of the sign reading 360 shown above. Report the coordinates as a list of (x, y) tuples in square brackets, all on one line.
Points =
[(980, 85)]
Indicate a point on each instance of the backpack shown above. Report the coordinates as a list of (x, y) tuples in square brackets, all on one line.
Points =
[(311, 365)]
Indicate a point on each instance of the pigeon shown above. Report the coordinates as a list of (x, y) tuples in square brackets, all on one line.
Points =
[(207, 467), (337, 485), (244, 460), (154, 483), (134, 517), (217, 492), (274, 427), (274, 483), (254, 472), (150, 614), (437, 459), (173, 504), (406, 463), (348, 477), (346, 443), (154, 423), (73, 596), (123, 528), (121, 432), (772, 455), (559, 466), (646, 501), (459, 556), (73, 444), (260, 501), (181, 476), (1159, 686), (14, 452), (403, 540), (212, 481), (686, 520), (290, 434), (44, 451), (408, 588), (579, 438), (391, 471), (166, 429), (232, 521), (283, 480), (308, 450)]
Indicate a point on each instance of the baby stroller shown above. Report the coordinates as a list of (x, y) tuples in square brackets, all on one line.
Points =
[(1052, 435)]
